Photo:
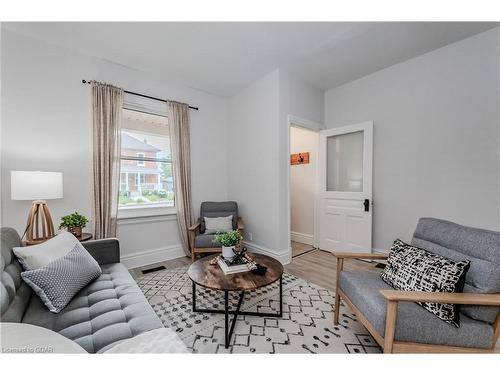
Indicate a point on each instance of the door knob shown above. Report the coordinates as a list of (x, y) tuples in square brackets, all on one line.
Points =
[(366, 203)]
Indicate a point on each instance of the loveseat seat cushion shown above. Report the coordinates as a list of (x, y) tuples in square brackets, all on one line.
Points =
[(413, 323), (205, 240), (110, 309)]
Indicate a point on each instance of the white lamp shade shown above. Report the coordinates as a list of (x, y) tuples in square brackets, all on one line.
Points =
[(33, 185)]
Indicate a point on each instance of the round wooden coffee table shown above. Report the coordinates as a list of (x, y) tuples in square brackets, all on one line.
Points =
[(209, 276)]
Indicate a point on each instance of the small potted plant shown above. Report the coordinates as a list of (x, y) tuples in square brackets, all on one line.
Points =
[(74, 223), (228, 241)]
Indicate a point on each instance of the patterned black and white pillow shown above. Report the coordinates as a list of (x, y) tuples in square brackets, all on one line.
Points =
[(60, 280), (411, 268)]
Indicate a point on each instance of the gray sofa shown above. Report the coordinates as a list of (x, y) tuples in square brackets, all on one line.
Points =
[(109, 310), (416, 329)]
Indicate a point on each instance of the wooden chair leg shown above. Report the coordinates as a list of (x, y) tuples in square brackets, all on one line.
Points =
[(193, 255), (390, 325), (336, 313)]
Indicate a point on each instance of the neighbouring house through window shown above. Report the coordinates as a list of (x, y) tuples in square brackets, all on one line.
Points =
[(146, 179)]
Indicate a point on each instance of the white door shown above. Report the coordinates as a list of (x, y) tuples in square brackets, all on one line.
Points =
[(345, 188)]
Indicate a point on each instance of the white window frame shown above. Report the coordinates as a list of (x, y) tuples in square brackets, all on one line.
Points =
[(151, 210), (141, 163)]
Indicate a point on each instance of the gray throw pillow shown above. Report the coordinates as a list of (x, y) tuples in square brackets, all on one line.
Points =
[(60, 280), (218, 224)]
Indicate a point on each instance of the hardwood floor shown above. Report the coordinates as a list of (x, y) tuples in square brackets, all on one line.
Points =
[(300, 248), (319, 267), (316, 266)]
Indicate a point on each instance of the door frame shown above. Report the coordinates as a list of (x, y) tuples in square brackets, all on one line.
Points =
[(313, 126)]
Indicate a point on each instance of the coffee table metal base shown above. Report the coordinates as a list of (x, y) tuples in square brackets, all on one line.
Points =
[(228, 332)]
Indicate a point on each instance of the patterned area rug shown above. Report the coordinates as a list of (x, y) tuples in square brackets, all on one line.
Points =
[(306, 325)]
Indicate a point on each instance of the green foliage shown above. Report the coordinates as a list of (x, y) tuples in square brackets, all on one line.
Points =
[(148, 196), (74, 220), (232, 238), (124, 199), (166, 170)]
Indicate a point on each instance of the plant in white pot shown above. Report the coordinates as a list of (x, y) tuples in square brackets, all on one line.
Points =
[(228, 241)]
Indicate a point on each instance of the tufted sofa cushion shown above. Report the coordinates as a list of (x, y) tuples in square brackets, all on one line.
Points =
[(15, 294), (107, 311)]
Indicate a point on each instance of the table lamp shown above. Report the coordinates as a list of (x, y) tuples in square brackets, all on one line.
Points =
[(37, 186)]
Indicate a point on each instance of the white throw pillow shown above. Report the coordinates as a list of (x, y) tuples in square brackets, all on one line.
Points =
[(218, 224), (38, 256)]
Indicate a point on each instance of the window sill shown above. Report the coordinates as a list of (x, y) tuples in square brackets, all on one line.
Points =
[(145, 211)]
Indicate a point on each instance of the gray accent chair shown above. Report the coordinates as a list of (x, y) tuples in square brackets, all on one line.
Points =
[(398, 324), (203, 243), (109, 310)]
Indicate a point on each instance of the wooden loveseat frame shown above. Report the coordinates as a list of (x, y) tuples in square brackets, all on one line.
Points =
[(393, 297)]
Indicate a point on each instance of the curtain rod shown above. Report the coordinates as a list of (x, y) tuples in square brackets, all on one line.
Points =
[(144, 96)]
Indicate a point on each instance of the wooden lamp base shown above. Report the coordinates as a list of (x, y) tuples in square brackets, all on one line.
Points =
[(40, 226)]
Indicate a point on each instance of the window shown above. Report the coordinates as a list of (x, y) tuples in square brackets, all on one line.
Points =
[(140, 159), (146, 180)]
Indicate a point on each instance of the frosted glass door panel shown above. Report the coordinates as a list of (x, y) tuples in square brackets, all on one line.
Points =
[(344, 162)]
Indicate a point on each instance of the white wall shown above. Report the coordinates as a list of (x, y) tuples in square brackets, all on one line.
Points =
[(253, 169), (436, 136), (258, 148), (303, 185), (306, 104), (46, 125)]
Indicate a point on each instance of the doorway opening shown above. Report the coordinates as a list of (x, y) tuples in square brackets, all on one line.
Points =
[(304, 145)]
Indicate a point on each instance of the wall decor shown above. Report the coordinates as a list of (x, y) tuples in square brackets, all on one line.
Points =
[(300, 158)]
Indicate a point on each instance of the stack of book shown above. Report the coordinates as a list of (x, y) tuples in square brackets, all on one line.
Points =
[(230, 267)]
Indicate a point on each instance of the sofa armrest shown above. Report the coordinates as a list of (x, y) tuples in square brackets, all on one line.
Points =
[(104, 251), (441, 297), (358, 255)]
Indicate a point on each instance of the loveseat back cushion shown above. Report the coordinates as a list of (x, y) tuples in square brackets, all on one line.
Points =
[(456, 242), (218, 209), (14, 293)]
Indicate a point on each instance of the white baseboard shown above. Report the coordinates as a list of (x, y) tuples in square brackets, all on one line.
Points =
[(284, 256), (143, 258), (308, 239)]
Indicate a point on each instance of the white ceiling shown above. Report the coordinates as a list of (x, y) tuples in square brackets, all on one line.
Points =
[(223, 58)]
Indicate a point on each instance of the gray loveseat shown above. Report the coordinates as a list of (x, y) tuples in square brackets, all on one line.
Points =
[(110, 309), (400, 325)]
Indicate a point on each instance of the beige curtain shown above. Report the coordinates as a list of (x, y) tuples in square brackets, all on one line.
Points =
[(107, 104), (178, 118)]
